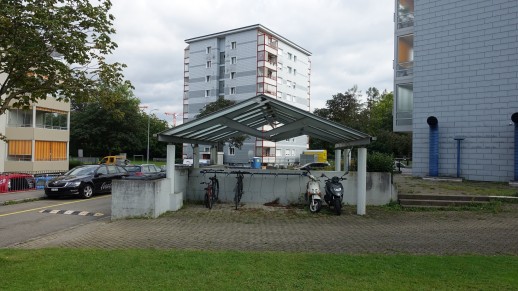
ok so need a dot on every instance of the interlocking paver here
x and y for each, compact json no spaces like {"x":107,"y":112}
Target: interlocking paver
{"x":295,"y":230}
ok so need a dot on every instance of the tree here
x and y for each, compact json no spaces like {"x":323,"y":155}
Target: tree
{"x":374,"y":119}
{"x":55,"y":48}
{"x":219,"y":104}
{"x":102,"y":130}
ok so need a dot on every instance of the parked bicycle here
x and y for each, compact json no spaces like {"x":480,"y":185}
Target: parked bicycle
{"x":238,"y":190}
{"x":212,"y":189}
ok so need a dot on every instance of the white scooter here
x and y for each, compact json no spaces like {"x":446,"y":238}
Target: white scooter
{"x":313,"y":194}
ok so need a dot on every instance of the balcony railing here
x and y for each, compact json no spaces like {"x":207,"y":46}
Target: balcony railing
{"x":405,"y":20}
{"x":405,"y":69}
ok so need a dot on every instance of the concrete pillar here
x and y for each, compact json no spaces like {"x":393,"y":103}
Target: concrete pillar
{"x":213,"y":155}
{"x":362,"y":182}
{"x":196,"y":156}
{"x":338,"y":160}
{"x":171,"y":150}
{"x":175,"y":199}
{"x":347,"y":159}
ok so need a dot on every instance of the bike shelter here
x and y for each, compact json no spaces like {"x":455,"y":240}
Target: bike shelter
{"x":285,"y":120}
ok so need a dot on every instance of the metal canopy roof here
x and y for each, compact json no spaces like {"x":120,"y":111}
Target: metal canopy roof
{"x":247,"y":117}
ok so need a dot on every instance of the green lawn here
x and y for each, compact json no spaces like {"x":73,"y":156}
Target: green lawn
{"x":69,"y":269}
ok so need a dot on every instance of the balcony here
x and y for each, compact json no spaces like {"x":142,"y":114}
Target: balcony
{"x":405,"y":69}
{"x":405,"y":13}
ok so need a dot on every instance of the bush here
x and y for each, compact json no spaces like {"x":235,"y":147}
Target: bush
{"x":74,"y":163}
{"x":378,"y":162}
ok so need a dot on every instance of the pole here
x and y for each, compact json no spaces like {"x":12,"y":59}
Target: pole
{"x":148,"y":122}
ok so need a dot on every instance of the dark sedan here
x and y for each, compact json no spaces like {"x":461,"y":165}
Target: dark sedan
{"x":85,"y":181}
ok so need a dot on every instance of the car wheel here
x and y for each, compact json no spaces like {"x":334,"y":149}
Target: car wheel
{"x":87,"y":191}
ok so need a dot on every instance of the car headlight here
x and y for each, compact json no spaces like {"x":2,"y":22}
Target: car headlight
{"x":73,"y":184}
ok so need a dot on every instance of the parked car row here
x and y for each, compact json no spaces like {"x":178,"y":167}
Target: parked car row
{"x":85,"y":181}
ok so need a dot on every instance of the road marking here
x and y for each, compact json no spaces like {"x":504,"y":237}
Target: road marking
{"x":71,"y":212}
{"x":65,"y":203}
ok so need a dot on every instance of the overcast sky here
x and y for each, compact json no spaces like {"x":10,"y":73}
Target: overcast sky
{"x":351,"y":41}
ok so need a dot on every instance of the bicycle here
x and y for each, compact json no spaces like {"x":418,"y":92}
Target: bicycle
{"x":238,"y":190}
{"x":212,"y":190}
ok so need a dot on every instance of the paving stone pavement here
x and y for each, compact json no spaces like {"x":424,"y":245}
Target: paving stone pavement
{"x":260,"y":228}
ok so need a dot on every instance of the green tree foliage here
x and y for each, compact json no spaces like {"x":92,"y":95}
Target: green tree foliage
{"x":55,"y":48}
{"x":373,"y":117}
{"x":102,"y":130}
{"x":219,"y":104}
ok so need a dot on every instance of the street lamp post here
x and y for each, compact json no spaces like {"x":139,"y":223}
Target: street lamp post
{"x":148,"y":121}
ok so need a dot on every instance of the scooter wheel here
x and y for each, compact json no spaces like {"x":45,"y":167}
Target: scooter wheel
{"x":315,"y":205}
{"x":338,"y":206}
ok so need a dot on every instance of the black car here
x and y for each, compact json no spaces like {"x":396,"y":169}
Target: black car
{"x":146,"y":171}
{"x":85,"y":181}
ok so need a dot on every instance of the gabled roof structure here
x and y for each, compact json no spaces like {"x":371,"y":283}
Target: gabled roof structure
{"x":247,"y":117}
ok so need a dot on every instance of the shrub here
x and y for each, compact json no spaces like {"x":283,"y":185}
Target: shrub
{"x":379,"y":162}
{"x":376,"y":162}
{"x":74,"y":163}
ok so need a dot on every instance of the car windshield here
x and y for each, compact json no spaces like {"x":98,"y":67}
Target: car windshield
{"x":81,"y":171}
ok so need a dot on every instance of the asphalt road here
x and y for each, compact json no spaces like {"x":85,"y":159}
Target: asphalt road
{"x":25,"y":221}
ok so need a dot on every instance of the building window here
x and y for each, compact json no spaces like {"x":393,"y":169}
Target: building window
{"x":232,"y":90}
{"x":207,"y":79}
{"x":288,"y":97}
{"x":209,"y":64}
{"x":279,"y":66}
{"x":50,"y":151}
{"x":51,"y":118}
{"x":233,"y":45}
{"x":405,"y":55}
{"x":208,"y":49}
{"x":232,"y":75}
{"x":294,"y":71}
{"x":279,"y":52}
{"x":292,"y":153}
{"x":233,"y":60}
{"x":404,"y":104}
{"x":279,"y":80}
{"x":290,"y":70}
{"x":294,"y":85}
{"x":207,"y":93}
{"x":290,"y":56}
{"x":231,"y":151}
{"x":279,"y":94}
{"x":19,"y":150}
{"x":294,"y":58}
{"x":20,"y":118}
{"x":278,"y":152}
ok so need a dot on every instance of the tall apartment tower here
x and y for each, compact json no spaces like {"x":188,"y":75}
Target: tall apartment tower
{"x":456,"y":86}
{"x":241,"y":63}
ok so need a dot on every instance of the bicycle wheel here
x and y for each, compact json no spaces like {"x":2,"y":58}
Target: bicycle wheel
{"x":215,"y":189}
{"x":206,"y":199}
{"x":236,"y":195}
{"x":210,"y":199}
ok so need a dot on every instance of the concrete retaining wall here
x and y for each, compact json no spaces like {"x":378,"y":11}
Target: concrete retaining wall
{"x":289,"y":189}
{"x":151,"y":198}
{"x":148,"y":198}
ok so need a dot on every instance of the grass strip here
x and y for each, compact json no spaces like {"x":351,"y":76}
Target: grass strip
{"x":150,"y":269}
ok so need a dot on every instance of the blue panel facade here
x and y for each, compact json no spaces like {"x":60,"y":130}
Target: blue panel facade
{"x":466,"y":74}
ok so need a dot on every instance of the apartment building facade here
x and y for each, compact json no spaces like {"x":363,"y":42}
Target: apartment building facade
{"x":456,"y":86}
{"x":37,"y":138}
{"x":241,"y":63}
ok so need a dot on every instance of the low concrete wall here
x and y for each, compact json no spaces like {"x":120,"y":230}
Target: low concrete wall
{"x":289,"y":189}
{"x":147,"y":198}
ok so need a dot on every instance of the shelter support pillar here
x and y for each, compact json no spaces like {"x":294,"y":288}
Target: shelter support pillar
{"x":175,"y":199}
{"x":338,"y":160}
{"x":196,"y":156}
{"x":347,"y":159}
{"x":362,"y":182}
{"x":214,"y":155}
